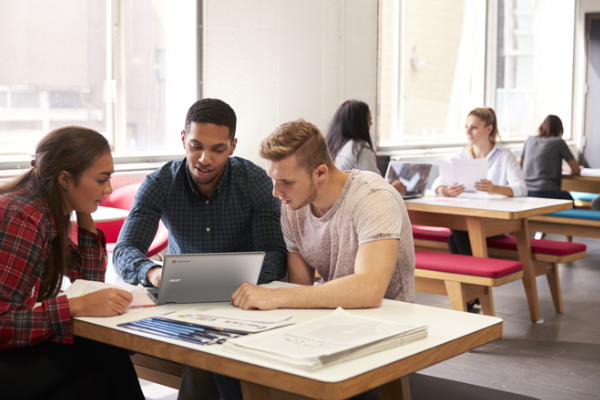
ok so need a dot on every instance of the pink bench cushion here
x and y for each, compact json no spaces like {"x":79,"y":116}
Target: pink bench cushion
{"x":465,"y":265}
{"x":431,"y":233}
{"x":541,"y":246}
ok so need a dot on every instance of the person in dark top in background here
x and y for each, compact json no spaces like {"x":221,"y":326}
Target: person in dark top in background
{"x":541,"y":160}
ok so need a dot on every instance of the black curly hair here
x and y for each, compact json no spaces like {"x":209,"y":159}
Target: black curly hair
{"x":212,"y":111}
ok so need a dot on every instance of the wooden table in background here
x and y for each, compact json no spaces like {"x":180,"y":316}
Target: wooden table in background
{"x":586,"y":184}
{"x":484,"y":216}
{"x":450,"y":333}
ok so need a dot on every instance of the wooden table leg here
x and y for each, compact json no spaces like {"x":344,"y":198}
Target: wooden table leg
{"x":396,"y":390}
{"x":529,"y":275}
{"x":477,"y":236}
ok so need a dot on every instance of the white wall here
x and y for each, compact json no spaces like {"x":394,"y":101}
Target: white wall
{"x":276,"y":60}
{"x":579,"y":66}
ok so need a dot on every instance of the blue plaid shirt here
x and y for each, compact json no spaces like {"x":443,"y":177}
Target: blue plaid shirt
{"x":240,"y":215}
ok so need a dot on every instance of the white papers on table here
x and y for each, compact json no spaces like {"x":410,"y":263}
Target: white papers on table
{"x":590,"y":171}
{"x":325,"y":341}
{"x":464,"y":171}
{"x":230,"y":319}
{"x":82,"y":287}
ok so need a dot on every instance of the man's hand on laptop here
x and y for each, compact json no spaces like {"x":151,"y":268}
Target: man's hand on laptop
{"x":252,"y":297}
{"x":153,"y":276}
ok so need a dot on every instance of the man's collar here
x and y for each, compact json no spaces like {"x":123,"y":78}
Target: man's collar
{"x":224,"y":177}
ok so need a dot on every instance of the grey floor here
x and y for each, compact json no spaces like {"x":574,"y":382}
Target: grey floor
{"x":558,"y":359}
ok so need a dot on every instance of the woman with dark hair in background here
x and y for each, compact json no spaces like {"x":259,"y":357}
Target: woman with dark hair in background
{"x":349,"y":141}
{"x":541,"y":160}
{"x":39,"y":357}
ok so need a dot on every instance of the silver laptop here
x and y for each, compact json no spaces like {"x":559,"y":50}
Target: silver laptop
{"x":201,"y":278}
{"x":413,"y":175}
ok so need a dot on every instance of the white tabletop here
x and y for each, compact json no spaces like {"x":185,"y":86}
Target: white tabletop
{"x":444,"y":326}
{"x":106,"y":214}
{"x":488,"y":202}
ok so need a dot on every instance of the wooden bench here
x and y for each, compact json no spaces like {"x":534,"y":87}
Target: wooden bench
{"x":583,"y":200}
{"x":463,"y":278}
{"x":582,"y":223}
{"x":546,"y":254}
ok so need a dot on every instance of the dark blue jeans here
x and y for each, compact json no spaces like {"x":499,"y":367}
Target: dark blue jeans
{"x":229,"y":388}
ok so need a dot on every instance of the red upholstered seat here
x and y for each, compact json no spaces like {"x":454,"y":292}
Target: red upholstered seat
{"x":541,"y":246}
{"x":465,"y":265}
{"x":435,"y":233}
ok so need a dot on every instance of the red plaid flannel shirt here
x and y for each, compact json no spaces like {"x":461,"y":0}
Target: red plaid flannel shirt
{"x":26,"y":231}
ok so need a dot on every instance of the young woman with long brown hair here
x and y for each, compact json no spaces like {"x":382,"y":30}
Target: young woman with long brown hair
{"x":39,"y":357}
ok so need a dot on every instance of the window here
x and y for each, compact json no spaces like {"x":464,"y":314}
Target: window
{"x":431,"y":70}
{"x":126,"y":68}
{"x":440,"y":59}
{"x":533,"y":65}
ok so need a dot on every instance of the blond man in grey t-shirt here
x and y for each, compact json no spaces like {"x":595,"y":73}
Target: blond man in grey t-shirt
{"x":351,"y":227}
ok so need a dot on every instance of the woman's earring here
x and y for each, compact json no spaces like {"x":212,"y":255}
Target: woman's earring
{"x":64,"y":188}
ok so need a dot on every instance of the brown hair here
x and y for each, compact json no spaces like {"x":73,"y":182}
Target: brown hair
{"x":72,"y":149}
{"x":487,"y":115}
{"x":551,"y":127}
{"x":300,"y":138}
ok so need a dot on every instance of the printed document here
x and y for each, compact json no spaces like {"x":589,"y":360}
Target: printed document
{"x":327,"y":340}
{"x":464,"y":171}
{"x":230,"y":319}
{"x":81,"y":287}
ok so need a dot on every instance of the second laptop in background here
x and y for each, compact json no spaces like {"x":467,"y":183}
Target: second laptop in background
{"x":413,"y":175}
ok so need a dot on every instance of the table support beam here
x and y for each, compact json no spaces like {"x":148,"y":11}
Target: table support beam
{"x":477,"y":236}
{"x":396,"y":390}
{"x":529,"y":275}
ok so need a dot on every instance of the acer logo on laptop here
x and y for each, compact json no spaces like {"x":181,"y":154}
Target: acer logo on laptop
{"x":174,"y":280}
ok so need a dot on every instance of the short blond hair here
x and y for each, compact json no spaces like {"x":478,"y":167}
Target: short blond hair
{"x":299,"y":138}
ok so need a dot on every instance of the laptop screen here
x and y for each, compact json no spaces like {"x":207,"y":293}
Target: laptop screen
{"x":413,"y":175}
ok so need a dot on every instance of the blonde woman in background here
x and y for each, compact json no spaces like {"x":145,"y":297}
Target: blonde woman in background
{"x":504,"y":175}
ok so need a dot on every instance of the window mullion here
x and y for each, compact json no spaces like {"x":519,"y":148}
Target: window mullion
{"x":117,"y":78}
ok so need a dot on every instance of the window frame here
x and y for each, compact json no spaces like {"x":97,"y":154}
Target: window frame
{"x":114,"y":87}
{"x":489,"y":93}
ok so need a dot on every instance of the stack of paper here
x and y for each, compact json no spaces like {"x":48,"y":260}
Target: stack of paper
{"x":337,"y":337}
{"x":590,"y":171}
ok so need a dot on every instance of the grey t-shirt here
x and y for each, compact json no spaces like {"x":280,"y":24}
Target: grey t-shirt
{"x":542,"y":162}
{"x":365,"y":160}
{"x":367,"y":209}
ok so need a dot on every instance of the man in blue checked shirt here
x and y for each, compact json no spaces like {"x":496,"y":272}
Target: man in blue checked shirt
{"x":210,"y":203}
